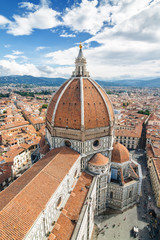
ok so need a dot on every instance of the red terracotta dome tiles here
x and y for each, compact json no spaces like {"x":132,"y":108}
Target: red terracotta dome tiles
{"x":107,"y":101}
{"x":53,"y":102}
{"x":95,"y":111}
{"x":68,"y":112}
{"x":80,"y":104}
{"x":99,"y":160}
{"x":120,"y":153}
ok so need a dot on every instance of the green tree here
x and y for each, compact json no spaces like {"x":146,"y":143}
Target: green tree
{"x":44,"y":105}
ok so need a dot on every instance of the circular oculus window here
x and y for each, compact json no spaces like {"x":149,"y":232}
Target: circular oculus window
{"x":96,"y":144}
{"x":67,"y":143}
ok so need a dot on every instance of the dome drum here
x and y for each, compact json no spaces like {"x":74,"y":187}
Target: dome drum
{"x":78,"y":134}
{"x":98,"y":164}
{"x":98,"y":170}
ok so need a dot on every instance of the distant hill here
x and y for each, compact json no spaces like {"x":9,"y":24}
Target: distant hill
{"x":42,"y":81}
{"x":153,"y":83}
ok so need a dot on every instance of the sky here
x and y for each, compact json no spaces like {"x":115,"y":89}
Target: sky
{"x":121,"y":38}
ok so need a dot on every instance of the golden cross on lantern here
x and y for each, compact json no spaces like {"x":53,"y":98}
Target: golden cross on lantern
{"x":80,"y":45}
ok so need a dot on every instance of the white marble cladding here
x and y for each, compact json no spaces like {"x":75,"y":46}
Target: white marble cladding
{"x":44,"y":223}
{"x":140,"y":176}
{"x":86,"y":147}
{"x":122,"y":197}
{"x":85,"y":224}
{"x":98,"y":169}
{"x":101,"y":193}
{"x":48,"y":136}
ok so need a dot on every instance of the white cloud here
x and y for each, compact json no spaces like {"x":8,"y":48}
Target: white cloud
{"x":125,"y":9}
{"x":138,"y":20}
{"x":45,"y":3}
{"x":40,"y":48}
{"x":88,"y":16}
{"x":43,"y":18}
{"x":10,"y":56}
{"x":36,"y":17}
{"x":65,"y":57}
{"x":16,"y":52}
{"x":28,"y":5}
{"x":49,"y":71}
{"x":66,"y":35}
{"x":3,"y":20}
{"x":11,"y":67}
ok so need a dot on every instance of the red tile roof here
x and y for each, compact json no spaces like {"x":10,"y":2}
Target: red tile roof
{"x":23,"y":201}
{"x":120,"y":154}
{"x":99,"y":160}
{"x":68,"y":112}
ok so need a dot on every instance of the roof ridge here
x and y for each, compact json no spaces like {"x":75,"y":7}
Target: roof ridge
{"x":27,"y":184}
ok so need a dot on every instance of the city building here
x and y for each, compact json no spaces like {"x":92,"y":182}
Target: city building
{"x":153,"y":154}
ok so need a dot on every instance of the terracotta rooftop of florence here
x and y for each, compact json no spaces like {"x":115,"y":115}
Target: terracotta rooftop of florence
{"x":68,"y":112}
{"x":14,"y":125}
{"x":65,"y":225}
{"x":23,"y":201}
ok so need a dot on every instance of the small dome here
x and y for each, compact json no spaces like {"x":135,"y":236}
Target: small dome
{"x":99,"y":160}
{"x":120,"y":154}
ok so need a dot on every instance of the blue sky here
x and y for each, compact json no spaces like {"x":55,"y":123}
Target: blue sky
{"x":121,"y":39}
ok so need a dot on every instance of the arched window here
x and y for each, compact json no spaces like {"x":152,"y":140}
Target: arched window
{"x":59,"y":202}
{"x":78,"y":70}
{"x":130,"y":194}
{"x":82,"y":71}
{"x":75,"y":174}
{"x":111,"y":194}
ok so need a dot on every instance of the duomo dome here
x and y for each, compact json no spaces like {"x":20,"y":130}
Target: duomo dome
{"x":81,"y":106}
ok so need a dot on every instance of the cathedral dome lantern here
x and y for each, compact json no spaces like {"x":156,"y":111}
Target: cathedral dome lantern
{"x":80,"y":65}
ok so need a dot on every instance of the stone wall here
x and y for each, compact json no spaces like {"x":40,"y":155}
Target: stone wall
{"x":87,"y":147}
{"x":122,"y":197}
